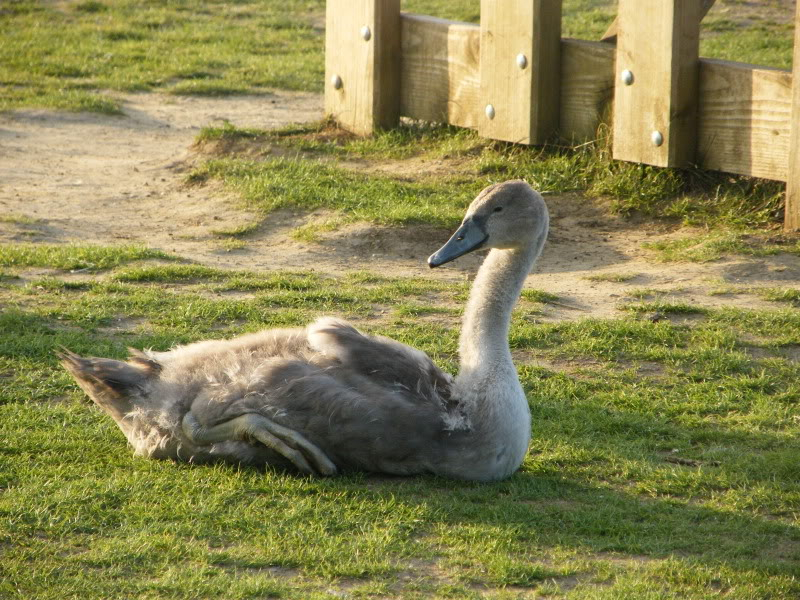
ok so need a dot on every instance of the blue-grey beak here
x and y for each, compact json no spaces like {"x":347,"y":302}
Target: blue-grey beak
{"x":470,"y":236}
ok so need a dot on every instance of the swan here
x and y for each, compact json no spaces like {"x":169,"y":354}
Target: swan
{"x":327,"y":398}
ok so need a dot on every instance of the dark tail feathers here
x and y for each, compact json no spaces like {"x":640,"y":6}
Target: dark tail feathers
{"x":111,"y":383}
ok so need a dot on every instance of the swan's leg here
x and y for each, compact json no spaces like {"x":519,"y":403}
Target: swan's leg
{"x":288,"y":443}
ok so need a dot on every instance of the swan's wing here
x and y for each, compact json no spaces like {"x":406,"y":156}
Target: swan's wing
{"x":380,"y":359}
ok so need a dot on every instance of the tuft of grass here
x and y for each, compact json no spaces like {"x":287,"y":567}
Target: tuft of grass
{"x":642,"y":293}
{"x":312,"y":232}
{"x":791,"y":295}
{"x":539,"y":296}
{"x":17,"y":219}
{"x":168,"y":273}
{"x":725,"y":290}
{"x":611,"y":277}
{"x":713,"y":246}
{"x":6,"y":276}
{"x":231,"y":244}
{"x":228,"y":131}
{"x":72,"y":257}
{"x":238,"y":231}
{"x":91,"y":6}
{"x":679,"y":308}
{"x":211,"y":88}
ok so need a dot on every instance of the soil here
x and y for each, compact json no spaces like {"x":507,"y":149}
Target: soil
{"x":109,"y":180}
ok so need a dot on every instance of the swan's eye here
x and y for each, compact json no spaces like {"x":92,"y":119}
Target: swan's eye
{"x":498,"y":209}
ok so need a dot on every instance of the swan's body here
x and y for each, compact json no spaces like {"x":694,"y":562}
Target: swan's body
{"x":327,"y":397}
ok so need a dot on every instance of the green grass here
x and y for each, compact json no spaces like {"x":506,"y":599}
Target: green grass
{"x":692,"y":197}
{"x":611,"y":277}
{"x":17,"y":219}
{"x":712,"y":246}
{"x":240,"y":231}
{"x":664,"y":461}
{"x":642,"y":293}
{"x":67,"y":55}
{"x":231,"y":244}
{"x":539,"y":296}
{"x":73,"y":257}
{"x":284,"y":183}
{"x":790,"y":295}
{"x":313,"y":232}
{"x":662,"y":306}
{"x":762,"y":41}
{"x":228,"y":131}
{"x":664,"y":465}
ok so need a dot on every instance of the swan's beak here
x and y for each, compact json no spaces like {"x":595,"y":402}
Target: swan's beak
{"x":470,"y":236}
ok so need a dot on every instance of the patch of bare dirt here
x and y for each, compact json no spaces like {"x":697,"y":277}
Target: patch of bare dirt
{"x":110,"y":180}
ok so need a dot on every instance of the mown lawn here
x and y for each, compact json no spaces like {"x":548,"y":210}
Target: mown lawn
{"x":665,"y":461}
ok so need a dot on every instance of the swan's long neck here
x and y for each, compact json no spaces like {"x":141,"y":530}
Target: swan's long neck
{"x":487,"y":382}
{"x":484,"y":335}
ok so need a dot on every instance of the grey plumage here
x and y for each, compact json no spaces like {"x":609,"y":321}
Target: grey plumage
{"x":328,"y":397}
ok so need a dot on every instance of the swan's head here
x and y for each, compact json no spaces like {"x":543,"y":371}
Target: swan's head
{"x":509,"y":215}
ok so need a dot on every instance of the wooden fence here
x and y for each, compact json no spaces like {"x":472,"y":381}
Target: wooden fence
{"x":514,"y":78}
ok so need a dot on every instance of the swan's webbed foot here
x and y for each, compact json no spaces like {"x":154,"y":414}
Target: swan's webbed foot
{"x":290,"y":444}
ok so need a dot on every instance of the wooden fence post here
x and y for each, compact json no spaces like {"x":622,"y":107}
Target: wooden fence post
{"x":791,"y":218}
{"x":362,"y":64}
{"x":655,"y":100}
{"x":520,"y":69}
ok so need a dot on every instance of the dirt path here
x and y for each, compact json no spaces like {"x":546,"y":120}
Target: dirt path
{"x":99,"y":179}
{"x":110,"y":180}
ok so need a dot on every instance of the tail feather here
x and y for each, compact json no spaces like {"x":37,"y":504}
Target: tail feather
{"x":111,"y":384}
{"x":143,"y":361}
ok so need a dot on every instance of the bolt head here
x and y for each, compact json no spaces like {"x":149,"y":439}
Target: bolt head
{"x":489,"y":112}
{"x":522,"y":60}
{"x":657,"y":138}
{"x":366,"y":34}
{"x":336,"y":82}
{"x":627,"y":77}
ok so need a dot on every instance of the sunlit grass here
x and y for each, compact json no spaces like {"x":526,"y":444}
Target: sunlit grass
{"x":74,"y":256}
{"x":663,"y":454}
{"x":611,"y":277}
{"x":707,"y":247}
{"x":66,"y":55}
{"x":17,"y":219}
{"x":694,"y":198}
{"x":778,"y":294}
{"x":664,"y":461}
{"x":273,"y":184}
